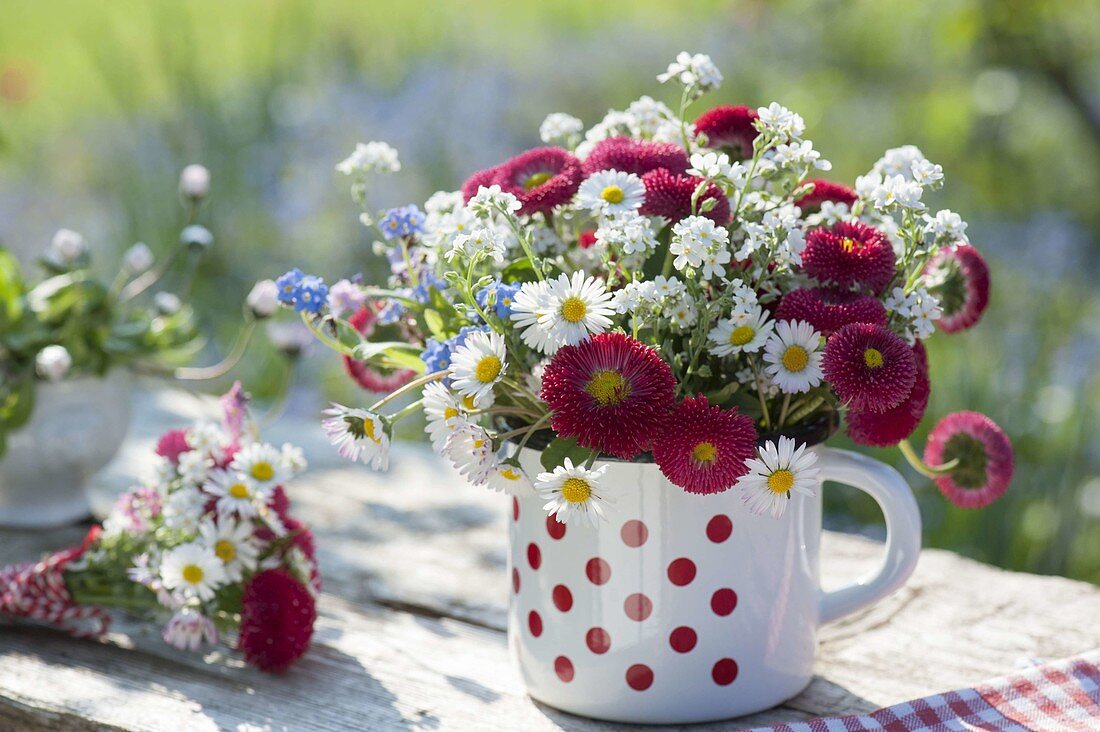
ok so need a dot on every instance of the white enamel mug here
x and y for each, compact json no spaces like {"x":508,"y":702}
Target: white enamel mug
{"x":686,"y":608}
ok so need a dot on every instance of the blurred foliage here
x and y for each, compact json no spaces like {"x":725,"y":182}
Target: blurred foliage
{"x":101,"y":105}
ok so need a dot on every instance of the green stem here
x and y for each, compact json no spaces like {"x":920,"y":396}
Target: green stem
{"x":760,"y":393}
{"x":332,"y":343}
{"x":401,"y":414}
{"x":929,"y":471}
{"x":222,"y":367}
{"x":415,"y":383}
{"x":534,"y":428}
{"x":783,"y":410}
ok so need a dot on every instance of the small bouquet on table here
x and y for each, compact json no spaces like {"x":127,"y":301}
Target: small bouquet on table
{"x":208,"y":546}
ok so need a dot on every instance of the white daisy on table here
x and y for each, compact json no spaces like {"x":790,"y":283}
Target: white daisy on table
{"x":236,"y":494}
{"x":470,"y":450}
{"x":478,"y":364}
{"x":779,"y":470}
{"x":192,"y":570}
{"x":573,"y":493}
{"x":188,"y":629}
{"x":579,"y":307}
{"x":509,"y":479}
{"x":529,"y":305}
{"x":611,"y":192}
{"x":793,"y":356}
{"x":261,"y":464}
{"x":443,"y":411}
{"x":232,"y":543}
{"x":358,"y":435}
{"x":741,"y":333}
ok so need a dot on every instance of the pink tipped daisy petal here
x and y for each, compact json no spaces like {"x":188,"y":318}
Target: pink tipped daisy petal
{"x":611,"y":393}
{"x":849,"y":253}
{"x":985,"y":458}
{"x":870,"y":368}
{"x":703,"y":448}
{"x":959,"y":278}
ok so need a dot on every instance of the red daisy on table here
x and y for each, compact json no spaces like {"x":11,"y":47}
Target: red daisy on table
{"x":869,"y":367}
{"x":541,"y":179}
{"x":828,"y":309}
{"x":729,"y":128}
{"x":883,"y":429}
{"x":277,"y":616}
{"x":984,"y":452}
{"x":367,"y":376}
{"x":825,"y":190}
{"x":703,"y":448}
{"x":669,"y":195}
{"x":849,"y":253}
{"x":611,"y":393}
{"x":959,"y":278}
{"x":628,"y":155}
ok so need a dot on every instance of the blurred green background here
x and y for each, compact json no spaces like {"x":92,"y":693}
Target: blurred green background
{"x":102,"y":104}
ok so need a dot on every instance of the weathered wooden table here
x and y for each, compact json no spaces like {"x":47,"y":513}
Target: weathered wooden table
{"x":411,"y":632}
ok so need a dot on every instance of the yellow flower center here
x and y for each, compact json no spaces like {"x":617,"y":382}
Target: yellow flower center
{"x":795,"y":358}
{"x":608,"y":387}
{"x":509,"y":474}
{"x":573,"y":309}
{"x":704,"y":453}
{"x":238,"y":490}
{"x":612,"y":194}
{"x":468,"y":403}
{"x":478,"y":443}
{"x":449,"y":413}
{"x":873,"y":358}
{"x":576,"y":490}
{"x":848,"y":245}
{"x":781,"y":481}
{"x":225,"y":550}
{"x":741,"y":335}
{"x":263,"y":471}
{"x":537,"y":180}
{"x":487,"y":369}
{"x":192,"y":574}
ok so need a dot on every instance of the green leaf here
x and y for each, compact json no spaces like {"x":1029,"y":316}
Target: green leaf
{"x":519,"y":271}
{"x":368,"y":351}
{"x":11,"y":288}
{"x":434,"y":321}
{"x":560,"y":449}
{"x":720,"y":396}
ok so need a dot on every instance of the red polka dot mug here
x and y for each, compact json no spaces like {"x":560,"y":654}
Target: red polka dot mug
{"x":686,"y":608}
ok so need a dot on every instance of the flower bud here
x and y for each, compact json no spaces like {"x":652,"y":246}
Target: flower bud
{"x":263,"y":300}
{"x":290,"y":338}
{"x":137,"y":258}
{"x":53,"y":363}
{"x":197,"y":236}
{"x":66,"y":247}
{"x":195,"y":182}
{"x":167,"y":303}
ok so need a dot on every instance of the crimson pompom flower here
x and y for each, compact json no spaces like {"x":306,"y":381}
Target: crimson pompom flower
{"x":985,"y":458}
{"x":628,"y":155}
{"x":869,"y":367}
{"x":959,"y":278}
{"x":611,"y":393}
{"x":884,"y":429}
{"x":367,"y":376}
{"x":481,"y":178}
{"x":277,"y":616}
{"x":729,"y":127}
{"x":703,"y":448}
{"x":172,"y":444}
{"x":849,"y":253}
{"x":542,"y":179}
{"x":669,"y":195}
{"x":825,"y":190}
{"x":828,"y":309}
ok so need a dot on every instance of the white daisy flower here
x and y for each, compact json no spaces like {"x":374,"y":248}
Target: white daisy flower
{"x":478,"y":364}
{"x":579,"y":307}
{"x":470,"y":450}
{"x":668,"y":287}
{"x":611,"y":192}
{"x":294,"y":458}
{"x":491,"y":198}
{"x":778,"y":471}
{"x":207,"y":438}
{"x":192,"y":570}
{"x":261,"y":464}
{"x":183,"y":508}
{"x":358,"y":435}
{"x":443,"y":412}
{"x":780,"y":123}
{"x":793,"y":357}
{"x":188,"y":629}
{"x":741,"y":333}
{"x":573,"y":493}
{"x":232,"y":543}
{"x":508,"y":479}
{"x":694,"y":238}
{"x":529,"y":305}
{"x":683,"y":312}
{"x":193,"y":467}
{"x":236,"y":494}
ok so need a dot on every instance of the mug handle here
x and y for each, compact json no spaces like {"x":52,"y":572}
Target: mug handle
{"x":903,"y":530}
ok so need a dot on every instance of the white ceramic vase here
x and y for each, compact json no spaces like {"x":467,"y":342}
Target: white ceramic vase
{"x":685,"y":608}
{"x":76,"y":428}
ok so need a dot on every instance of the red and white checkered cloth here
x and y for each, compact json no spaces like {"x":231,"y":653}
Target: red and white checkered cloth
{"x":1056,"y":697}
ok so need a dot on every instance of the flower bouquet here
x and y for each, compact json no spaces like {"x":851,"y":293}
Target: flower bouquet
{"x":654,"y":323}
{"x":208,"y":543}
